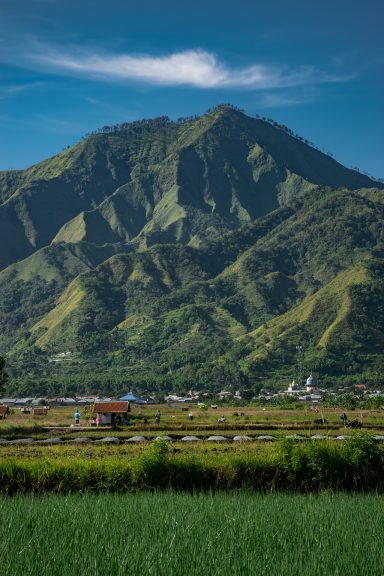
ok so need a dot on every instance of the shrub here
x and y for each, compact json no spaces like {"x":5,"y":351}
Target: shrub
{"x":151,"y":469}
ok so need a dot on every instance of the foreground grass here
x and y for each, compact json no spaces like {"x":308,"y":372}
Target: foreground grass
{"x":182,"y":534}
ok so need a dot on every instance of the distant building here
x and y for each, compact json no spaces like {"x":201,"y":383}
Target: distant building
{"x":175,"y":398}
{"x":311,"y":383}
{"x":360,"y":386}
{"x":133,"y":398}
{"x":292,"y":387}
{"x":111,"y":412}
{"x":224,"y":394}
{"x":43,"y":411}
{"x":302,"y":393}
{"x":4,"y":410}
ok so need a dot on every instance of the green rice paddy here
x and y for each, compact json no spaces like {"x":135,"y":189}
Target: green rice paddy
{"x":150,"y":533}
{"x":281,"y":508}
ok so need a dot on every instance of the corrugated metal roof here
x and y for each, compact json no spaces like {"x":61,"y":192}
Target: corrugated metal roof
{"x":131,"y":397}
{"x":110,"y":407}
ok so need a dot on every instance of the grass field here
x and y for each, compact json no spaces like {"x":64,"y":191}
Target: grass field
{"x":355,"y":464}
{"x":86,"y":509}
{"x":174,"y":418}
{"x":183,"y":534}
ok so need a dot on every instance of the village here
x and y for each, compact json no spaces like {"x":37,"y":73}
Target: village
{"x":308,"y":393}
{"x":298,"y":411}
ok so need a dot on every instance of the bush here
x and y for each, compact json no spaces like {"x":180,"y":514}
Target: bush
{"x":151,"y":469}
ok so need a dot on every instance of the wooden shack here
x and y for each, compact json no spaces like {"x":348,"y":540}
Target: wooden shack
{"x":25,"y":410}
{"x":43,"y":411}
{"x":4,"y":410}
{"x":111,"y":413}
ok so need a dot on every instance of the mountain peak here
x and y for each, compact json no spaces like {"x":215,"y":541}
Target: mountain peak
{"x":226,"y":108}
{"x":156,"y":180}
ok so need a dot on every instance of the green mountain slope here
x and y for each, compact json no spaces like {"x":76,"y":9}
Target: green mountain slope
{"x":236,"y":307}
{"x":194,"y":253}
{"x":341,"y":326}
{"x":161,"y":181}
{"x":29,"y":288}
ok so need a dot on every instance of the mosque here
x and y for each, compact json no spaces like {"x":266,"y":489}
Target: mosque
{"x":310,"y":386}
{"x":311,"y":383}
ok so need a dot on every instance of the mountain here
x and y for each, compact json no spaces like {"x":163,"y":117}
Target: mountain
{"x":159,"y":181}
{"x":197,"y":252}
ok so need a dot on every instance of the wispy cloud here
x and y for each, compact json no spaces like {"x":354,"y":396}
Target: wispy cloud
{"x":44,"y":123}
{"x":196,"y":68}
{"x":280,"y":100}
{"x":93,"y":101}
{"x":9,"y":90}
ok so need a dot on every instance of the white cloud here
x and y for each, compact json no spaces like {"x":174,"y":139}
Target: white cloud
{"x":196,"y":68}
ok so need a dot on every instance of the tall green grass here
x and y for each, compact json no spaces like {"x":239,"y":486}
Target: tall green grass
{"x":168,"y":534}
{"x":355,"y":465}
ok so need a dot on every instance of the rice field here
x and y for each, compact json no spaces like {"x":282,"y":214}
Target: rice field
{"x":175,"y":418}
{"x":66,"y":459}
{"x":93,"y":508}
{"x":356,"y":464}
{"x":171,"y":534}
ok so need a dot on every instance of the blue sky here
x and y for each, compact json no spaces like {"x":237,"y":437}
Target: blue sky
{"x":68,"y":67}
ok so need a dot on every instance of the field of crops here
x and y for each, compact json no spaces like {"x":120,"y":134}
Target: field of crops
{"x":47,"y":454}
{"x":356,"y":464}
{"x":176,"y":418}
{"x":183,"y":534}
{"x":200,"y":508}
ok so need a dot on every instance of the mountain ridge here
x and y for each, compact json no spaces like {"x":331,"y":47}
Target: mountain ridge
{"x":164,"y":250}
{"x":106,"y":169}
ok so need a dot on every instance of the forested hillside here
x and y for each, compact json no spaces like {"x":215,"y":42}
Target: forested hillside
{"x":199,"y":253}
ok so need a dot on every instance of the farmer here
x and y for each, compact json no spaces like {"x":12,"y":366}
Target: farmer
{"x":157,"y":417}
{"x":76,"y":417}
{"x":344,"y":418}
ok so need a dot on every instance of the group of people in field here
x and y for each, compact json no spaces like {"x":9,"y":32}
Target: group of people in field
{"x":98,"y":420}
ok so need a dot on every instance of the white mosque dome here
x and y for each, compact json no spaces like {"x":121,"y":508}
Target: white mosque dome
{"x":311,"y":380}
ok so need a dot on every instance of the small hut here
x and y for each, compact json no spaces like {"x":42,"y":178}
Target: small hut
{"x":111,"y":413}
{"x":41,"y":411}
{"x":4,"y":410}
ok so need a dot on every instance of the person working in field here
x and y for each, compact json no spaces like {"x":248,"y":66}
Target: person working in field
{"x":76,"y":418}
